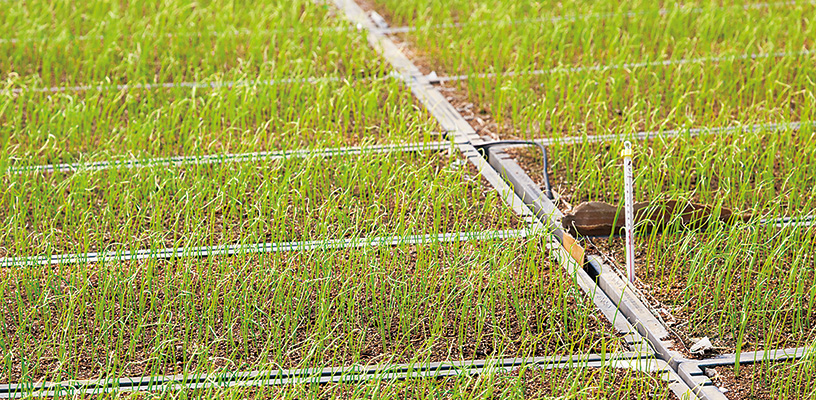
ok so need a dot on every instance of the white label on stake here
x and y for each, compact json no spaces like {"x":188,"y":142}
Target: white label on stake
{"x":629,"y":209}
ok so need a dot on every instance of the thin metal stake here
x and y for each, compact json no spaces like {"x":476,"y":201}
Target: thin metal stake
{"x":626,"y":153}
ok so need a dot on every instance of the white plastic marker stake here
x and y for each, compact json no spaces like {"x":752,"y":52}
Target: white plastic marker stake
{"x":628,"y":205}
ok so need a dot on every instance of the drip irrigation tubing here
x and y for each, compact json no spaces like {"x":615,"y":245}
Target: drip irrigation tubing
{"x":432,"y":78}
{"x":188,"y":85}
{"x":410,"y":147}
{"x":693,"y":371}
{"x":236,"y":157}
{"x":212,"y":34}
{"x":272,"y":247}
{"x":777,"y":223}
{"x":649,"y":64}
{"x":790,"y":222}
{"x":354,"y":373}
{"x":690,"y":132}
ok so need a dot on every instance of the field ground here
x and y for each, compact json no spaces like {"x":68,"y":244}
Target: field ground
{"x":584,"y":383}
{"x":768,"y":380}
{"x":296,"y":310}
{"x":131,"y":82}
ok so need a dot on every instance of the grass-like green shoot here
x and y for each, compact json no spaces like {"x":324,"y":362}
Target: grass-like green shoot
{"x":316,"y":308}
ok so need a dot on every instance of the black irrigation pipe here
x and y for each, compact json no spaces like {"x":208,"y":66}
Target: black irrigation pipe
{"x":237,"y":157}
{"x":547,"y":186}
{"x":349,"y":374}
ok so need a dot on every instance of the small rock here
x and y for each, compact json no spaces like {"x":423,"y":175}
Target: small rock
{"x":701,"y":346}
{"x":711,"y":373}
{"x":723,"y":389}
{"x":457,"y":163}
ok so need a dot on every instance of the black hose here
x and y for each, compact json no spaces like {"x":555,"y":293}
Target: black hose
{"x":547,"y":187}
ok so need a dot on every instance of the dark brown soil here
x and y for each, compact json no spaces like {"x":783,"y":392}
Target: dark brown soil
{"x":767,"y":381}
{"x":748,"y":385}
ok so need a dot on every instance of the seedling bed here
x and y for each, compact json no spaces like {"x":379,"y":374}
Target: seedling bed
{"x":221,"y":204}
{"x":767,"y":380}
{"x":163,"y":44}
{"x":602,"y":100}
{"x":415,"y":16}
{"x":764,"y":173}
{"x":315,"y":308}
{"x":97,"y":126}
{"x":641,"y":35}
{"x":504,"y":377}
{"x":745,"y":287}
{"x":444,"y":294}
{"x":575,"y":101}
{"x":624,"y":66}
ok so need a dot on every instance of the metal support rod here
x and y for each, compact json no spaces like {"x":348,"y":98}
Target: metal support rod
{"x":547,"y":186}
{"x":354,"y":373}
{"x":234,"y":157}
{"x":272,"y":247}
